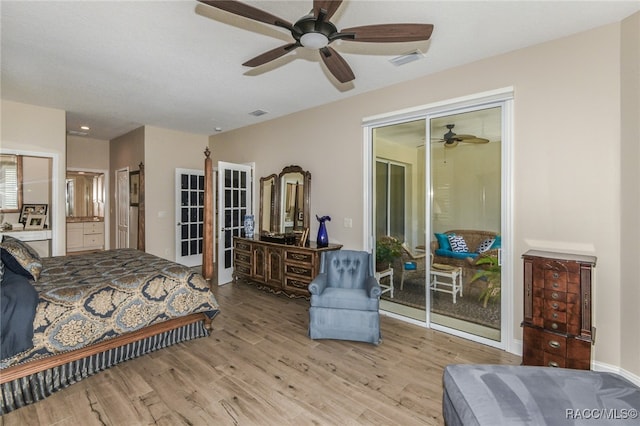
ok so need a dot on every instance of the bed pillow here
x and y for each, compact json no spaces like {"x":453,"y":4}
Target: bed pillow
{"x":485,"y":245}
{"x":443,"y":241}
{"x":458,"y":244}
{"x":21,"y":258}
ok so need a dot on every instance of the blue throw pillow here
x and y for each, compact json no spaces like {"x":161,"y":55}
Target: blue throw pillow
{"x":497,"y":243}
{"x":443,"y":241}
{"x":410,"y":266}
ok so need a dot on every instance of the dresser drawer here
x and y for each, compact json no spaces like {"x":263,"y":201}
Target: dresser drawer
{"x":242,"y":245}
{"x":304,"y":271}
{"x":555,"y":280}
{"x":554,"y":344}
{"x":557,"y":296}
{"x":93,"y":227}
{"x":241,"y":256}
{"x":242,"y":269}
{"x":298,"y":256}
{"x":557,"y":326}
{"x":93,"y":240}
{"x":551,"y":360}
{"x":296,"y":285}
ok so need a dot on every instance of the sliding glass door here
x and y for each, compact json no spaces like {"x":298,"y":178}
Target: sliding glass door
{"x":437,"y":192}
{"x":398,"y":208}
{"x":465,"y":215}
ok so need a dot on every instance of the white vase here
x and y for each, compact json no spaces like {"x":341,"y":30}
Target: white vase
{"x":248,"y":226}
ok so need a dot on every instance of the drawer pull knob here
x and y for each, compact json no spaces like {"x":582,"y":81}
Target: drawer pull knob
{"x":555,"y":275}
{"x":555,"y":315}
{"x":554,"y":295}
{"x":554,"y":325}
{"x":555,"y":305}
{"x":555,"y":285}
{"x":553,"y":364}
{"x":554,"y":344}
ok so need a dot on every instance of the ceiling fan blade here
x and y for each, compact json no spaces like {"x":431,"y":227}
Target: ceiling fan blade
{"x":389,"y":33}
{"x":451,"y":144}
{"x":337,"y":65}
{"x":271,"y":55}
{"x":329,"y":5}
{"x":243,"y":9}
{"x":476,"y":140}
{"x":463,"y":137}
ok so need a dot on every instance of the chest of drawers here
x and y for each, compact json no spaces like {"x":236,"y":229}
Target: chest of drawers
{"x":557,"y":329}
{"x":277,"y":267}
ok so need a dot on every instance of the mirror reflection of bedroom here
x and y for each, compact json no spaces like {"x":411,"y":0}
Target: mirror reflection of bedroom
{"x":457,"y":261}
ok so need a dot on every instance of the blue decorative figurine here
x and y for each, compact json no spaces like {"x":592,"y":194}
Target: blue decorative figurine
{"x":323,"y":237}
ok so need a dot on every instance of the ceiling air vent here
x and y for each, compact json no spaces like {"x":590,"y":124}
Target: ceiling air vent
{"x":258,"y":113}
{"x":77,"y":133}
{"x":405,"y":59}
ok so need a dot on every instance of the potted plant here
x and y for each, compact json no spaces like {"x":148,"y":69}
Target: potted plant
{"x":491,"y":275}
{"x":387,"y":250}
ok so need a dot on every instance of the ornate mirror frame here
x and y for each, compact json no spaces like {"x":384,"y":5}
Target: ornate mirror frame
{"x":274,"y":202}
{"x":269,"y":196}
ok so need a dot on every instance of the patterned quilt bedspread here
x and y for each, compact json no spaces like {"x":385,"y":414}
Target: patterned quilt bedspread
{"x":85,"y":299}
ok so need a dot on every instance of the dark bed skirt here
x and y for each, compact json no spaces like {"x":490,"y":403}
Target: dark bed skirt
{"x":38,"y":386}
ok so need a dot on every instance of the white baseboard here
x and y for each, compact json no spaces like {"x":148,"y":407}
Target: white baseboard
{"x":601,"y":366}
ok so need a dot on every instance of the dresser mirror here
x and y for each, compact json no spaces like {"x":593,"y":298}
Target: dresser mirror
{"x":284,"y":201}
{"x":268,"y":204}
{"x":84,"y":194}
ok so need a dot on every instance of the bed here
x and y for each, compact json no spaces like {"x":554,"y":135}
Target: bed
{"x":526,"y":395}
{"x":90,"y":312}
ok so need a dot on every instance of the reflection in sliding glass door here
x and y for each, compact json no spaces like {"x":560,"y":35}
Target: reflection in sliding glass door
{"x":398,"y":207}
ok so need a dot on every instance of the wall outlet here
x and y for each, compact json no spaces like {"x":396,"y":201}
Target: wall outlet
{"x":348,"y":222}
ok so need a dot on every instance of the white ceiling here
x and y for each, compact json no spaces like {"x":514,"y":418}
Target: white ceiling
{"x":117,"y":65}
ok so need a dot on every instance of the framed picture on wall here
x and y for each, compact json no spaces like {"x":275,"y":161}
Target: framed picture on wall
{"x":35,"y":221}
{"x":134,"y":188}
{"x":27,"y":209}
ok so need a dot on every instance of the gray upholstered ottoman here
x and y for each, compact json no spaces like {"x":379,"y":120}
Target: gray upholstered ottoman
{"x":522,"y":395}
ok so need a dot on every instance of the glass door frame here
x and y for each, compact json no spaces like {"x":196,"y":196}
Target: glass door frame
{"x":504,"y":99}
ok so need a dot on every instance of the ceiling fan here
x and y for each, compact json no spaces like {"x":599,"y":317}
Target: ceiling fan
{"x":315,"y":31}
{"x":451,"y":139}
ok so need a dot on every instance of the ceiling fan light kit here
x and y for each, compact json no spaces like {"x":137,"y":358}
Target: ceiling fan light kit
{"x":315,"y":31}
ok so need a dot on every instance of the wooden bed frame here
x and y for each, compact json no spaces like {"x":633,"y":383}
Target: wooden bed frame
{"x":32,"y":381}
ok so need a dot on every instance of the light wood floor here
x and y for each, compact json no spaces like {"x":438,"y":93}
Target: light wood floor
{"x":259,"y":368}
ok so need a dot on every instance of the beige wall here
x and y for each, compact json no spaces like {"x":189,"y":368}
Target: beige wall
{"x":630,"y":190}
{"x":165,"y":150}
{"x":566,"y":158}
{"x":40,"y":131}
{"x":87,"y":153}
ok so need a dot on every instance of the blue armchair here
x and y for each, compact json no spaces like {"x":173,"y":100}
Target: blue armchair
{"x":345,"y":298}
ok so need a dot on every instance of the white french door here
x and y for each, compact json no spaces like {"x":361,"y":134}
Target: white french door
{"x":189,"y":216}
{"x":235,"y":200}
{"x":122,"y":208}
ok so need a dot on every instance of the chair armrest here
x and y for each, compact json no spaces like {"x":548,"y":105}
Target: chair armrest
{"x":318,"y":284}
{"x":372,"y":286}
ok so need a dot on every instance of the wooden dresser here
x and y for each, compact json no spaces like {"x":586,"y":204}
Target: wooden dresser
{"x":557,"y":329}
{"x":277,"y":267}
